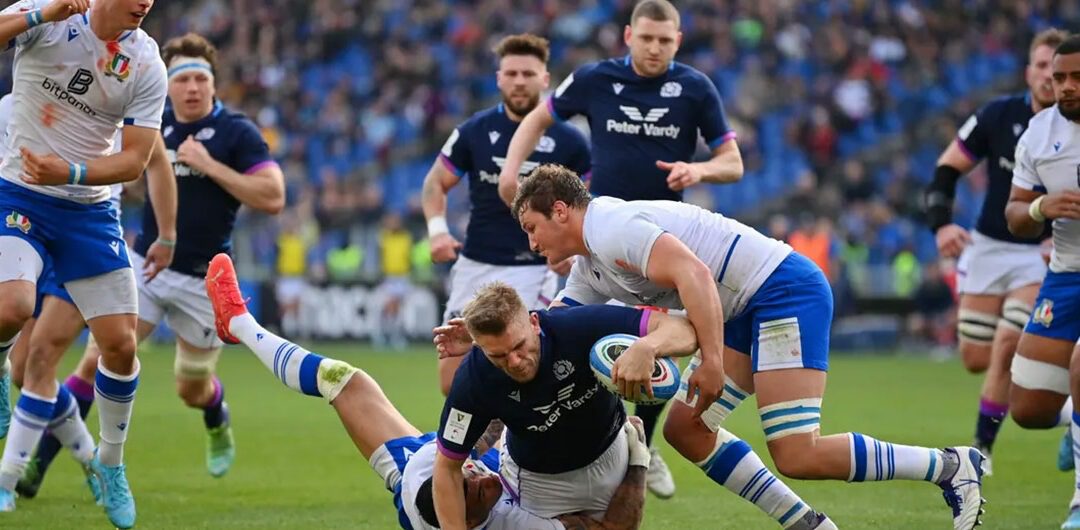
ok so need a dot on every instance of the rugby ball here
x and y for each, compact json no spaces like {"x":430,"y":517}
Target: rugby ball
{"x":665,"y":376}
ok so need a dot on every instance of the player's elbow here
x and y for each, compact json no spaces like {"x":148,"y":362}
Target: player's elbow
{"x":273,"y":205}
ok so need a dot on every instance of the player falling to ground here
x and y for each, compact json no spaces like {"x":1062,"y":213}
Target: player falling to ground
{"x":402,"y":456}
{"x":999,"y":272}
{"x":1046,"y":185}
{"x":532,"y":372}
{"x":762,"y":314}
{"x":645,"y":112}
{"x":80,"y":75}
{"x":221,"y":161}
{"x":495,"y":248}
{"x":58,"y":331}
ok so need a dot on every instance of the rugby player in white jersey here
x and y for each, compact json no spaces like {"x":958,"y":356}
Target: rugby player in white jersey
{"x":56,"y":333}
{"x":762,"y":314}
{"x":80,"y":75}
{"x":998,"y":273}
{"x":401,"y":455}
{"x":1046,"y":185}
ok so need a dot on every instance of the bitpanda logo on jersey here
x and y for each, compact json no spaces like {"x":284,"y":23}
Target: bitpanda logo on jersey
{"x":643,"y":123}
{"x":77,"y":86}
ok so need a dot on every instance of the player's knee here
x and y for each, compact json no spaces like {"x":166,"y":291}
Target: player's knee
{"x":118,"y":354}
{"x":14,"y":312}
{"x":687,"y":435}
{"x":793,"y":456}
{"x":791,"y":430}
{"x":1033,"y":401}
{"x":1033,"y":414}
{"x":975,"y":356}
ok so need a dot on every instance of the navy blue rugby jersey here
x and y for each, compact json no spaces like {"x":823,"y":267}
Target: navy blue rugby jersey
{"x":562,"y":419}
{"x":991,"y":133}
{"x":476,"y":150}
{"x":205,"y":212}
{"x":636,"y":121}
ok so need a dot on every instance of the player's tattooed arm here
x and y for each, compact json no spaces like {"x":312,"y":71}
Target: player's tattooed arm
{"x":490,"y":437}
{"x":625,"y":510}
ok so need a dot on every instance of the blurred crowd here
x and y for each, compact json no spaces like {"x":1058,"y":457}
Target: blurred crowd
{"x":841,"y":108}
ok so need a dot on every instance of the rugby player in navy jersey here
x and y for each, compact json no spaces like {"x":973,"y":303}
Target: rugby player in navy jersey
{"x":398,"y":452}
{"x":221,"y":162}
{"x":564,"y":452}
{"x":645,"y":112}
{"x":495,"y":247}
{"x":998,"y":273}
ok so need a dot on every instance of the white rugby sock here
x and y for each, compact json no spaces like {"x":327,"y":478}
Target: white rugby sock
{"x":873,"y":460}
{"x":115,"y":398}
{"x":294,"y":366}
{"x":31,"y":416}
{"x":68,"y":427}
{"x":734,"y":465}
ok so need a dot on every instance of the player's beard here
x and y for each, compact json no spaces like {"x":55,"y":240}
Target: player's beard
{"x":524,"y":108}
{"x":1070,"y":110}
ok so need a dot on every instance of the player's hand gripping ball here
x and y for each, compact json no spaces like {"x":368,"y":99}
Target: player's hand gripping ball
{"x":665,"y":377}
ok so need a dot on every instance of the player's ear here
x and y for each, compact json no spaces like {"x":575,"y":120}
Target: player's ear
{"x":558,"y":211}
{"x":678,"y":40}
{"x":627,"y":34}
{"x":534,"y":320}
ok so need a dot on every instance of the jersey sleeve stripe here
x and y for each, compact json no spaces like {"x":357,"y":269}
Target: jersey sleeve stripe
{"x":967,"y":152}
{"x":260,"y":166}
{"x":551,"y":109}
{"x":450,"y":166}
{"x":730,"y":135}
{"x":570,"y":301}
{"x":450,"y":453}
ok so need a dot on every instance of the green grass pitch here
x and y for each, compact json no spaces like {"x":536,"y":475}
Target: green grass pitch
{"x":297,"y":469}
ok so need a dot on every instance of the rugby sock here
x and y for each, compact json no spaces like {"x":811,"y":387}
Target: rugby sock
{"x":1074,"y":428}
{"x":115,"y":397}
{"x":735,"y":466}
{"x":83,"y":392}
{"x":991,"y":416}
{"x":1065,"y":416}
{"x":216,"y":412}
{"x":32,"y":413}
{"x":873,"y":460}
{"x":294,"y":366}
{"x":67,"y":429}
{"x":650,"y":416}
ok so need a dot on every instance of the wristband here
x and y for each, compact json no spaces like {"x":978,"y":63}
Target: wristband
{"x":1034,"y":210}
{"x":437,"y":225}
{"x":34,"y":18}
{"x":166,"y":242}
{"x":76,"y":173}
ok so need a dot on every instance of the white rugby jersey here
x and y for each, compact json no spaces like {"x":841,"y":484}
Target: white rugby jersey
{"x":115,"y":190}
{"x":506,"y":515}
{"x":72,"y":92}
{"x":1048,"y":159}
{"x":620,"y":235}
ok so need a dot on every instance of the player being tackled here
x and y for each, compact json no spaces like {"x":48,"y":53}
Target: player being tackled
{"x":386,"y":439}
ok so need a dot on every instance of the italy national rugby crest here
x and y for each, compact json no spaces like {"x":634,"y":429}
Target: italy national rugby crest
{"x":119,"y":67}
{"x":1044,"y":314}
